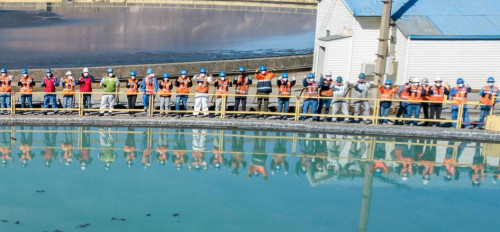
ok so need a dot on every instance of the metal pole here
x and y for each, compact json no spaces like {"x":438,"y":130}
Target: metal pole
{"x":383,"y":43}
{"x":366,"y":200}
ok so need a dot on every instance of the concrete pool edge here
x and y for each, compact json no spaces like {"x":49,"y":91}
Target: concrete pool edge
{"x":253,"y":124}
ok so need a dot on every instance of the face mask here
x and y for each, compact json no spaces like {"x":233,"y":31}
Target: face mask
{"x":490,"y":84}
{"x":387,"y":86}
{"x":3,"y":74}
{"x":110,"y":74}
{"x":222,"y":78}
{"x":183,"y":76}
{"x":85,"y":74}
{"x":165,"y":79}
{"x":132,"y":77}
{"x":416,"y":84}
{"x":25,"y":75}
{"x":285,"y":79}
{"x":460,"y":85}
{"x":203,"y":75}
{"x":329,"y":78}
{"x":309,"y":80}
{"x":263,"y":72}
{"x":48,"y":74}
{"x":438,"y":84}
{"x":152,"y":75}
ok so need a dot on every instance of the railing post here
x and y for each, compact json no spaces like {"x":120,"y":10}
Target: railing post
{"x":151,"y":104}
{"x":80,"y":103}
{"x":297,"y":108}
{"x":223,"y":107}
{"x":376,"y":111}
{"x":460,"y":115}
{"x":12,"y":103}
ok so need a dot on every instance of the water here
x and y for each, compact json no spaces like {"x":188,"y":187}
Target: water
{"x":230,"y":181}
{"x":74,"y":36}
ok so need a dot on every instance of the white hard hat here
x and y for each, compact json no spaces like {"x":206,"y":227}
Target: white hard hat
{"x":68,"y":73}
{"x":85,"y":70}
{"x":438,"y":78}
{"x":328,"y":73}
{"x":415,"y":79}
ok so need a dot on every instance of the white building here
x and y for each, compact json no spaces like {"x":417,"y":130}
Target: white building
{"x":429,"y":38}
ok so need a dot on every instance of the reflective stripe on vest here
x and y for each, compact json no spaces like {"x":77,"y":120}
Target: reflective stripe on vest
{"x":202,"y":85}
{"x":285,"y":89}
{"x":150,"y":84}
{"x":68,"y":88}
{"x":437,"y":93}
{"x":415,"y":95}
{"x":132,"y":87}
{"x":386,"y":93}
{"x":26,"y":84}
{"x":222,"y":87}
{"x":5,"y":84}
{"x":166,"y":89}
{"x":488,"y":95}
{"x":183,"y":85}
{"x":242,"y":85}
{"x":460,"y":95}
{"x":312,"y":89}
{"x":326,"y":92}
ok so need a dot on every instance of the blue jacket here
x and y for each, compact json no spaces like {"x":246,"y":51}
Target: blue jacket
{"x":497,"y":94}
{"x":143,"y":84}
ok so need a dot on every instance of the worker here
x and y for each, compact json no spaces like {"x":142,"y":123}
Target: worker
{"x":49,"y":83}
{"x":129,"y":151}
{"x":264,"y":88}
{"x":311,"y":100}
{"x":107,"y":154}
{"x":340,"y":89}
{"x":83,"y":156}
{"x":325,"y":86}
{"x":490,"y":95}
{"x":67,"y":147}
{"x":26,"y":147}
{"x":436,"y":94}
{"x":458,"y":95}
{"x":198,"y":162}
{"x":68,"y":85}
{"x":86,"y":81}
{"x":5,"y":89}
{"x":284,"y":93}
{"x":26,"y":83}
{"x":425,"y":105}
{"x":202,"y":80}
{"x":416,"y":94}
{"x":149,"y":88}
{"x":162,"y":149}
{"x":110,"y":84}
{"x":386,"y":94}
{"x":403,"y":95}
{"x":165,"y":94}
{"x":132,"y":88}
{"x":182,"y":84}
{"x":361,"y":89}
{"x":242,"y":84}
{"x":221,"y":89}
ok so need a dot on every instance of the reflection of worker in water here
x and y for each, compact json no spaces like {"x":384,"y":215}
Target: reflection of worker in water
{"x":107,"y":154}
{"x":5,"y":146}
{"x":198,"y":162}
{"x":147,"y":151}
{"x":217,"y":160}
{"x":83,"y":155}
{"x":179,"y":158}
{"x":405,"y":157}
{"x":379,"y":157}
{"x":130,"y":152}
{"x":237,"y":157}
{"x":259,"y":157}
{"x":67,"y":146}
{"x":427,"y":161}
{"x":450,"y":164}
{"x":162,"y":148}
{"x":26,"y":154}
{"x":477,"y":169}
{"x":306,"y":153}
{"x":48,"y":153}
{"x":279,"y":162}
{"x":319,"y":161}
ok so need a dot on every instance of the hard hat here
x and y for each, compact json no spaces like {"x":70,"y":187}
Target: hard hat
{"x":166,"y":75}
{"x":491,"y":79}
{"x":183,"y":72}
{"x":425,"y":182}
{"x":83,"y":167}
{"x":362,"y":76}
{"x":425,"y":81}
{"x":203,"y":70}
{"x":339,"y":79}
{"x":404,"y":178}
{"x":4,"y":70}
{"x":416,"y":80}
{"x":388,"y":82}
{"x":48,"y":70}
{"x":24,"y":71}
{"x":150,"y":71}
{"x":133,"y":73}
{"x":328,"y":73}
{"x":438,"y":78}
{"x":460,"y":81}
{"x":311,"y":75}
{"x":262,"y":68}
{"x":85,"y":70}
{"x":241,"y":69}
{"x":69,"y":73}
{"x":110,"y":70}
{"x":284,"y":75}
{"x":222,"y":74}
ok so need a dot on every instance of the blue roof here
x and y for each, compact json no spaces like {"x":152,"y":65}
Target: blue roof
{"x":478,"y":19}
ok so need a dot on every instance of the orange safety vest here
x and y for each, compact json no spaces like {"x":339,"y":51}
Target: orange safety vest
{"x":460,"y":96}
{"x":68,"y":87}
{"x":5,"y":84}
{"x":150,"y":87}
{"x":404,"y":94}
{"x":242,"y":85}
{"x":222,"y":88}
{"x":328,"y":92}
{"x":26,"y":84}
{"x":285,"y":89}
{"x":415,"y":95}
{"x":386,"y":93}
{"x":165,"y":88}
{"x":133,"y":86}
{"x":183,"y":85}
{"x":437,"y":94}
{"x":488,"y":95}
{"x":312,"y":89}
{"x":202,"y":85}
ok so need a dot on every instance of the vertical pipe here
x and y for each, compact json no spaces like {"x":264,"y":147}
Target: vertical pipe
{"x":366,"y":200}
{"x":382,"y":44}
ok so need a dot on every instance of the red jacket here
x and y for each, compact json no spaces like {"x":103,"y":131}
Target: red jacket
{"x":86,"y":83}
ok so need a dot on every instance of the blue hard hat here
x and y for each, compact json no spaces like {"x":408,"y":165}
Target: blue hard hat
{"x":362,"y":76}
{"x":241,"y":69}
{"x":150,"y":71}
{"x":166,"y":75}
{"x":262,"y":68}
{"x":110,"y":70}
{"x":491,"y":79}
{"x":284,"y":75}
{"x":388,"y":82}
{"x":222,"y":74}
{"x":460,"y":81}
{"x":48,"y":70}
{"x":203,"y":70}
{"x":4,"y":70}
{"x":311,"y":75}
{"x":24,"y":71}
{"x":339,"y":79}
{"x":133,"y":73}
{"x":183,"y":72}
